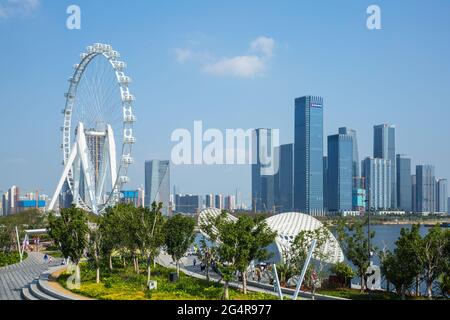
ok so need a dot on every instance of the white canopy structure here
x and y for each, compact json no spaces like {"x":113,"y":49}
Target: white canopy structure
{"x":287,"y":226}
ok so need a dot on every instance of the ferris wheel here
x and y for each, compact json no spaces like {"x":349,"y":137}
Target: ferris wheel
{"x":97,"y":131}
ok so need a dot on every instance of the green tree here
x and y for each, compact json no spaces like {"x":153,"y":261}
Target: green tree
{"x":179,"y":235}
{"x":355,"y":244}
{"x":433,"y":256}
{"x":70,"y":230}
{"x":238,"y":243}
{"x":207,"y":255}
{"x":95,"y":249}
{"x":150,"y":233}
{"x":344,"y":273}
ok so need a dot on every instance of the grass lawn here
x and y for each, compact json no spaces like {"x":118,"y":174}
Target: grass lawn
{"x":10,"y":258}
{"x":125,"y":284}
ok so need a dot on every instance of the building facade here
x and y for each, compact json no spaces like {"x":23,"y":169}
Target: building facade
{"x":209,"y":201}
{"x":404,"y":183}
{"x":340,"y":173}
{"x":384,"y":148}
{"x":425,"y":189}
{"x":308,"y":155}
{"x":188,"y":203}
{"x":263,"y":175}
{"x":219,"y":202}
{"x":377,"y":176}
{"x":442,"y":195}
{"x":157,"y":184}
{"x":284,"y":180}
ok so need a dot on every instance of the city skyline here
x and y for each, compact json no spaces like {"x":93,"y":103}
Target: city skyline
{"x":358,"y":106}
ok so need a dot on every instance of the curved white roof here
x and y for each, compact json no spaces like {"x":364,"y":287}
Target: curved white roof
{"x":288,"y":226}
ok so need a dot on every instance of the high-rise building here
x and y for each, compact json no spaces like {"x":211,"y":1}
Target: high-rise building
{"x":13,"y":200}
{"x":188,"y":203}
{"x":157,"y":184}
{"x":218,"y":202}
{"x":414,"y":192}
{"x":404,"y":195}
{"x":263,"y":173}
{"x":284,"y":179}
{"x":377,"y":175}
{"x":448,"y":205}
{"x":308,"y":155}
{"x":5,"y":204}
{"x":355,"y":154}
{"x":209,"y":201}
{"x":441,"y":195}
{"x":325,"y":183}
{"x":384,"y":148}
{"x":425,"y":189}
{"x":340,"y":173}
{"x":230,"y":203}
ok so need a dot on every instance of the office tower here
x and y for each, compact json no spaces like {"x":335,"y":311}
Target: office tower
{"x":284,"y":179}
{"x":384,"y":148}
{"x":263,"y":171}
{"x":5,"y":204}
{"x":377,"y":175}
{"x":218,"y":202}
{"x":13,"y":199}
{"x":209,"y":201}
{"x":308,"y":155}
{"x":355,"y":154}
{"x":448,"y":205}
{"x":340,"y":172}
{"x":441,"y":195}
{"x":157,"y":184}
{"x":230,"y":203}
{"x":414,"y":193}
{"x":188,"y":203}
{"x":426,"y":189}
{"x":404,"y":195}
{"x":325,"y":183}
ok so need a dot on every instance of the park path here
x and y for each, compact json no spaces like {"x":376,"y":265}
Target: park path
{"x":14,"y":277}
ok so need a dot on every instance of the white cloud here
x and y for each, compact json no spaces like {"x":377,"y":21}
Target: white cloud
{"x":182,"y":55}
{"x":245,"y":66}
{"x":263,"y":45}
{"x":12,"y":8}
{"x":241,"y":66}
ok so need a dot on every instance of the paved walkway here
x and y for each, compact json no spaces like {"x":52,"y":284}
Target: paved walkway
{"x":14,"y":277}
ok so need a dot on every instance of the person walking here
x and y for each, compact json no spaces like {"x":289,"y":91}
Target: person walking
{"x":195,"y":262}
{"x":46,"y":258}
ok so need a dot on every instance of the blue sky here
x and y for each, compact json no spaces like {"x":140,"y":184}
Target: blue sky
{"x":398,"y":75}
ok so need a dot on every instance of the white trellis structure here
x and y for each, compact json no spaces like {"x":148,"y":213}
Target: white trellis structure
{"x":97,"y":131}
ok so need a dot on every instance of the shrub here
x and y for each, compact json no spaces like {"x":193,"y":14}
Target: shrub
{"x":343,"y":272}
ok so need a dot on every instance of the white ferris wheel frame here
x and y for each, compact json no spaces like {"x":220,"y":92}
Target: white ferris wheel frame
{"x":75,"y":155}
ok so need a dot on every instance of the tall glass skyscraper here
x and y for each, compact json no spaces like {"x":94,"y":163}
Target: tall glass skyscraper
{"x":425,"y":189}
{"x":384,"y":148}
{"x":441,"y":195}
{"x":263,"y":178}
{"x":308,"y":155}
{"x":284,"y":179}
{"x":157,"y":184}
{"x":404,"y":195}
{"x":340,"y":172}
{"x":377,"y":175}
{"x":355,"y":154}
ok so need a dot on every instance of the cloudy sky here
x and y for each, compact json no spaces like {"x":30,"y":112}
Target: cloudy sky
{"x":231,"y":65}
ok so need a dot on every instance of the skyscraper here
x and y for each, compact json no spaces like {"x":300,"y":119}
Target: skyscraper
{"x":157,"y":184}
{"x":384,"y":148}
{"x":414,"y":192}
{"x":355,"y":154}
{"x":425,"y":189}
{"x":218,"y":202}
{"x":441,"y":195}
{"x":284,"y":180}
{"x":263,"y":177}
{"x":308,"y":155}
{"x":340,"y":172}
{"x":404,"y":195}
{"x":377,"y":175}
{"x":209,"y":201}
{"x":325,"y":183}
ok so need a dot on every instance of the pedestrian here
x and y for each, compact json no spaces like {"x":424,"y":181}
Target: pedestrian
{"x":195,"y":262}
{"x":45,"y":258}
